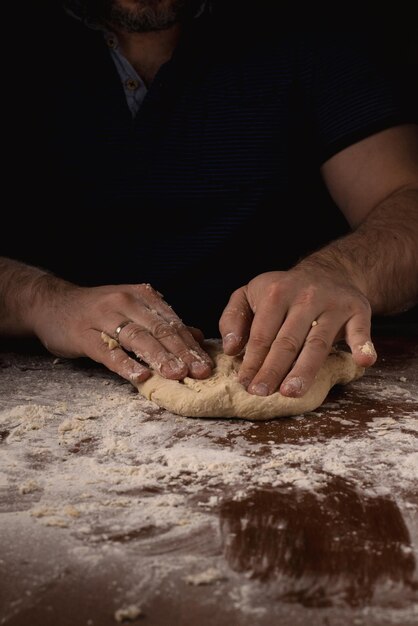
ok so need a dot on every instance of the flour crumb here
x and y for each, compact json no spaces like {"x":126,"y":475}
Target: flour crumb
{"x":403,"y":379}
{"x":212,"y":502}
{"x":128,"y":613}
{"x":209,"y":576}
{"x":410,"y":506}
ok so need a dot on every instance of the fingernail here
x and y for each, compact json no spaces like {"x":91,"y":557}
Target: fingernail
{"x":292,"y":386}
{"x":197,"y":368}
{"x":260,"y":389}
{"x":231,"y":340}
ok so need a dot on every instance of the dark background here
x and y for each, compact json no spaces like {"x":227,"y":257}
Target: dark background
{"x":393,"y":28}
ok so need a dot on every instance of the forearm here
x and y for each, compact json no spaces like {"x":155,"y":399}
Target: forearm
{"x":380,"y":257}
{"x":21,"y":288}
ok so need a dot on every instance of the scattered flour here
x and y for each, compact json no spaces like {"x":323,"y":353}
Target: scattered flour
{"x":129,"y":613}
{"x":208,"y":577}
{"x":106,"y":471}
{"x":29,"y":487}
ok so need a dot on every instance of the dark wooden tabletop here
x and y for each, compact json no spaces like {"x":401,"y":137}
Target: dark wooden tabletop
{"x":114,"y":511}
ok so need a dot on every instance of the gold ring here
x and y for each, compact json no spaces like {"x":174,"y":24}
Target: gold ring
{"x":119,"y":328}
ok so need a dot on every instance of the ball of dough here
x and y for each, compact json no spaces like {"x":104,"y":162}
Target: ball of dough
{"x":221,"y":395}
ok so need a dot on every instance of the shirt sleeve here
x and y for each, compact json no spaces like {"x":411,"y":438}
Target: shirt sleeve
{"x":352,"y":91}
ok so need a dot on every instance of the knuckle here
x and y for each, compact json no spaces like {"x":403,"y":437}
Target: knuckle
{"x":162,"y":330}
{"x":288,"y":343}
{"x":177,"y":325}
{"x":133,"y":333}
{"x":259,"y":342}
{"x":308,"y":295}
{"x":318,"y":342}
{"x":348,"y":308}
{"x":274,"y":291}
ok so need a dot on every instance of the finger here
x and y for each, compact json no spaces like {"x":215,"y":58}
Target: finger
{"x":162,"y":344}
{"x":191,"y":336}
{"x":235,"y":322}
{"x":283,"y":352}
{"x":134,"y":338}
{"x":104,"y":349}
{"x":359,"y":340}
{"x":315,"y":350}
{"x":164,"y":324}
{"x":272,"y":332}
{"x":146,"y":307}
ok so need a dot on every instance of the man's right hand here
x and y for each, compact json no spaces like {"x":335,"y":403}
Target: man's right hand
{"x":111,"y":324}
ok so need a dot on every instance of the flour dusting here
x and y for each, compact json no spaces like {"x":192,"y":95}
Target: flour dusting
{"x":122,"y":481}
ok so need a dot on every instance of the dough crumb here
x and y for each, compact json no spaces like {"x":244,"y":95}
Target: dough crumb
{"x":128,"y":613}
{"x":42,"y":511}
{"x":368,"y":348}
{"x":209,"y":576}
{"x":403,"y":379}
{"x":65,"y":426}
{"x":56,"y":521}
{"x":29,"y":487}
{"x":112,"y":343}
{"x":71,"y":511}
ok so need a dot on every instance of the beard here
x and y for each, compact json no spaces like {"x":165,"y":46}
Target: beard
{"x":135,"y":16}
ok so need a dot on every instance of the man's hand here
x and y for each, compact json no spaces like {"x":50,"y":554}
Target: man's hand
{"x":288,"y":322}
{"x":112,"y":325}
{"x":291,"y":319}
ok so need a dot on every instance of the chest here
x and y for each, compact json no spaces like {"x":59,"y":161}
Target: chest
{"x":225,"y":129}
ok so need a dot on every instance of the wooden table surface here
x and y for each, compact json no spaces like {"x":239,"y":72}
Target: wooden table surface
{"x":114,"y":511}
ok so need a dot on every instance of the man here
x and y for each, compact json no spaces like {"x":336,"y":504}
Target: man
{"x":184,"y":152}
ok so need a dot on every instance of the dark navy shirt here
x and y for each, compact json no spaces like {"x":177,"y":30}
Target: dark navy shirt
{"x":216,"y":179}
